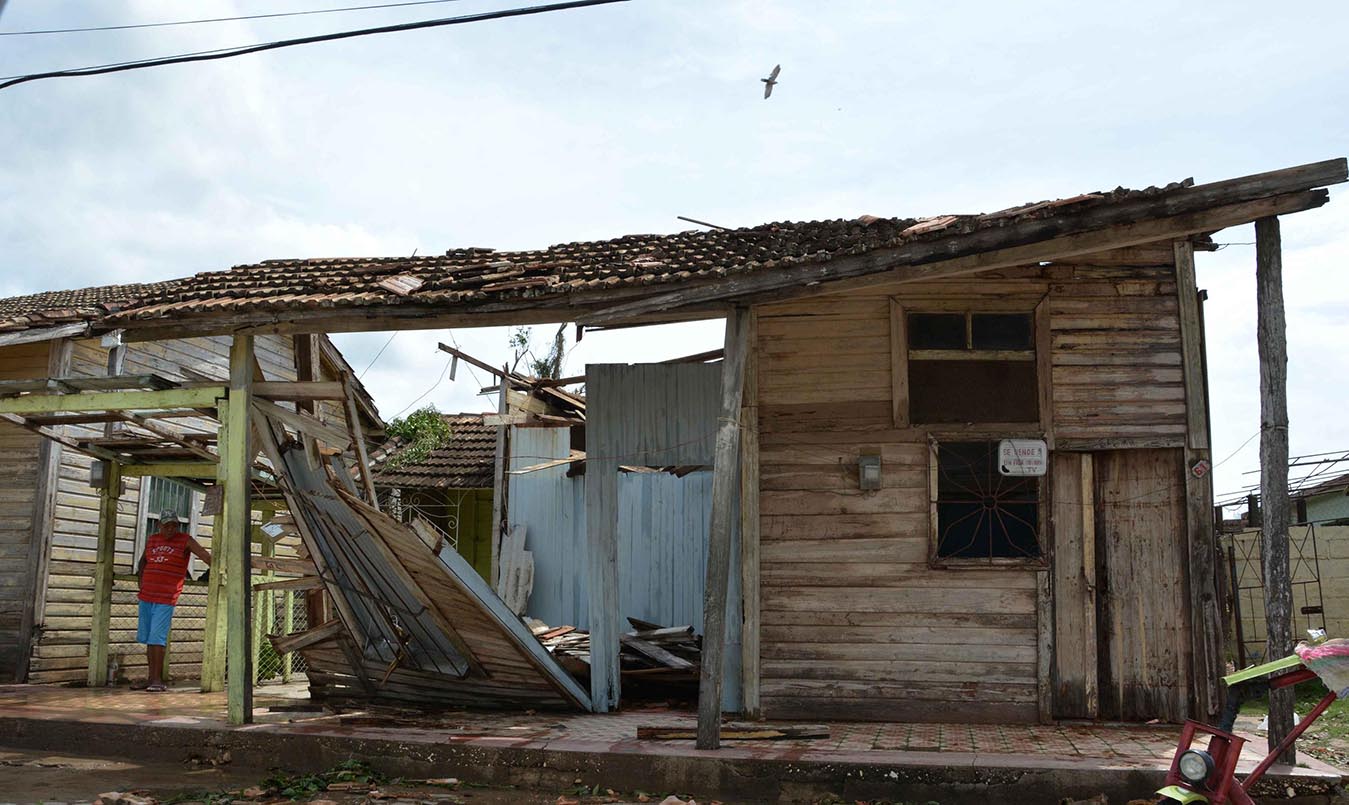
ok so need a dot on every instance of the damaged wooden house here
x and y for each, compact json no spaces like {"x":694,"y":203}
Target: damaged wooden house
{"x":49,"y":524}
{"x":959,"y":465}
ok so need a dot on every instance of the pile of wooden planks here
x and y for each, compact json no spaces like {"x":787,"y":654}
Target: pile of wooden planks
{"x":655,"y":661}
{"x":411,"y":627}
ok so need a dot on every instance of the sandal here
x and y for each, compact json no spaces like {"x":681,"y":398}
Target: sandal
{"x":156,"y":688}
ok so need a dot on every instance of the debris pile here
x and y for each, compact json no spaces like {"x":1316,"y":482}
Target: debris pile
{"x":655,"y":661}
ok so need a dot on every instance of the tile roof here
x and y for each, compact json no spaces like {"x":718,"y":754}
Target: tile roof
{"x":476,"y":276}
{"x":63,"y":307}
{"x":466,"y":463}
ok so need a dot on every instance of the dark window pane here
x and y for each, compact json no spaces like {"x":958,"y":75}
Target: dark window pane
{"x":1001,"y":331}
{"x":973,"y":391}
{"x":982,"y":514}
{"x":936,"y":331}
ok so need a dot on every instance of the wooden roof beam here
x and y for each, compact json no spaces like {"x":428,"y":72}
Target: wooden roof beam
{"x":1026,"y":243}
{"x":199,"y":397}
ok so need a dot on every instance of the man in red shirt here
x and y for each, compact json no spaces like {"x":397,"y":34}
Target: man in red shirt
{"x":162,"y":569}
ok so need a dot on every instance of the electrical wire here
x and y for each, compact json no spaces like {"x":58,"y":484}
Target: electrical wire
{"x":223,"y":19}
{"x":377,"y":354}
{"x":244,"y":50}
{"x":434,"y":386}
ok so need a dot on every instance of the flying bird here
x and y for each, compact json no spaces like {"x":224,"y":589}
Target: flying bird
{"x":770,"y":81}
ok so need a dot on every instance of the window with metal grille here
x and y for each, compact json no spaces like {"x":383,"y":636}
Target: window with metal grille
{"x":158,"y":494}
{"x":979,"y":513}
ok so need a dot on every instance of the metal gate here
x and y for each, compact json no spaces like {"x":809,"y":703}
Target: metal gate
{"x":1246,"y":570}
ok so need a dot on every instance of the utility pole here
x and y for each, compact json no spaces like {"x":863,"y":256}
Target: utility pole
{"x":1272,"y":341}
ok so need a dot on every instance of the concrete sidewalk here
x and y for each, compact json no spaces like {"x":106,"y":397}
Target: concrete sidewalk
{"x":948,"y":763}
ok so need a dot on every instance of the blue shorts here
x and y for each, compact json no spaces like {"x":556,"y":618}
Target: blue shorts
{"x":152,"y":628}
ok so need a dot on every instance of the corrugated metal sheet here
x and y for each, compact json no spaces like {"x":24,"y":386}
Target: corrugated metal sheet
{"x":551,"y":506}
{"x":655,"y":415}
{"x":663,"y":520}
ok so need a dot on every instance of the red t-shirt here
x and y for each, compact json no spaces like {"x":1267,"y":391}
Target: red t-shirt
{"x":166,"y":559}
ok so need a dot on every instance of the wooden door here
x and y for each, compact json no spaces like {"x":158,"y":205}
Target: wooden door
{"x":1142,"y":622}
{"x":1074,"y":670}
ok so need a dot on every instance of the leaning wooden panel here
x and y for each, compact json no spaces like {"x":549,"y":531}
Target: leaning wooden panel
{"x":452,"y":642}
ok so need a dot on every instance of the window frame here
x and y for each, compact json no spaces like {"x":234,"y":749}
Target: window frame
{"x":143,"y":516}
{"x":990,"y":435}
{"x":1040,"y":352}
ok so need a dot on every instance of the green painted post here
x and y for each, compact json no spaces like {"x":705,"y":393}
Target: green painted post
{"x":261,"y":604}
{"x":213,"y":641}
{"x":288,"y":620}
{"x":103,"y":566}
{"x":233,"y":530}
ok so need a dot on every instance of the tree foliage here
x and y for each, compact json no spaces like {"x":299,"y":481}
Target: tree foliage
{"x":423,"y":431}
{"x":550,"y":365}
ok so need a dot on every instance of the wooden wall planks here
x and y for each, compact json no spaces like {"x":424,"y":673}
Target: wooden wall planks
{"x":61,"y":654}
{"x":19,"y":471}
{"x":853,"y":617}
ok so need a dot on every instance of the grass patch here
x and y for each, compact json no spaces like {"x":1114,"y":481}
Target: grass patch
{"x":1328,"y":738}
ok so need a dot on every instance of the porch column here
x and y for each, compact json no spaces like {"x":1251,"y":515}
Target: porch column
{"x":1272,"y":341}
{"x":725,"y":486}
{"x":232,"y":528}
{"x":103,"y":565}
{"x":213,"y":639}
{"x":1206,"y":667}
{"x":601,"y":491}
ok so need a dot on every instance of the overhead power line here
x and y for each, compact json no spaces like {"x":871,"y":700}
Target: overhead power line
{"x":221,"y":19}
{"x":244,"y":50}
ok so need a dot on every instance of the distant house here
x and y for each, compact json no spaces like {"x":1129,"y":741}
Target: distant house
{"x":48,"y":508}
{"x":450,"y":488}
{"x":1324,"y":502}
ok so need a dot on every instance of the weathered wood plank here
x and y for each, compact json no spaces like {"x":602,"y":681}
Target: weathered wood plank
{"x":725,"y":484}
{"x":750,"y":522}
{"x":1272,"y":348}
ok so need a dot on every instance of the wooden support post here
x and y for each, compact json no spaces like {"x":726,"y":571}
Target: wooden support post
{"x":232,"y":529}
{"x":1272,"y":341}
{"x":358,"y":441}
{"x":725,"y":482}
{"x":601,"y":490}
{"x":1205,"y":615}
{"x":261,"y":599}
{"x":501,"y":478}
{"x":308,"y":369}
{"x":749,"y":527}
{"x":214,"y":637}
{"x":288,"y":626}
{"x":103,"y":565}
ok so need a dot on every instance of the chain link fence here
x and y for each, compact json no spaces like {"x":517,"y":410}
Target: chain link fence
{"x":276,"y":612}
{"x":126,"y":657}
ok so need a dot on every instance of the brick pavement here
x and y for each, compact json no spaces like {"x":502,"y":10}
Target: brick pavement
{"x":1130,"y":744}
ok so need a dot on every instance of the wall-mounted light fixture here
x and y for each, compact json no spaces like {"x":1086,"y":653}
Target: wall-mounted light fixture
{"x":869,"y":471}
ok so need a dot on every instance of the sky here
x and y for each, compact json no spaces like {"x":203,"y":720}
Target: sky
{"x":612,"y":120}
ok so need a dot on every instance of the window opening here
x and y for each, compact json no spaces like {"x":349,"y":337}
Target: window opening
{"x":981,"y":513}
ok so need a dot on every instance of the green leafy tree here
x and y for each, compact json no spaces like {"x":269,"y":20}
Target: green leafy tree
{"x":423,"y":430}
{"x":550,"y":365}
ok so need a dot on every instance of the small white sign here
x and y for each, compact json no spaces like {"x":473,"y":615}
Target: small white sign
{"x":1023,"y":457}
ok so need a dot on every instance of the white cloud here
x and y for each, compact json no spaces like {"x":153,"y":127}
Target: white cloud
{"x":595,"y":123}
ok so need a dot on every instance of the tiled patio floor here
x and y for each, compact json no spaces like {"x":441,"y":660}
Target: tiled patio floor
{"x":508,"y":748}
{"x":1145,"y":745}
